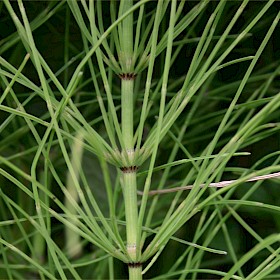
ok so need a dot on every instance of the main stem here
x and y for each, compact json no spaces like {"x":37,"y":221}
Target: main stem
{"x":129,"y":183}
{"x":129,"y":173}
{"x":127,"y":116}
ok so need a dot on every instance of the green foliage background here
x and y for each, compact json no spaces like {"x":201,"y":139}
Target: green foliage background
{"x":59,"y":39}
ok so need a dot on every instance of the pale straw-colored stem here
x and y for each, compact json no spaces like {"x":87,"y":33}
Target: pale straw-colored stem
{"x":213,"y":185}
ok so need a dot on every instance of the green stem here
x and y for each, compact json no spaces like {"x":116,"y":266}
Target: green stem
{"x":135,"y":273}
{"x":129,"y":172}
{"x":127,"y":38}
{"x":127,"y":113}
{"x":129,"y":183}
{"x":72,"y":239}
{"x":131,"y":212}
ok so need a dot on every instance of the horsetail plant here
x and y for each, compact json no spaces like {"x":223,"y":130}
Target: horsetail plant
{"x":136,"y":108}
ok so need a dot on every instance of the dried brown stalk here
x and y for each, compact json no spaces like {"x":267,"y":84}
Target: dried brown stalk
{"x":213,"y":185}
